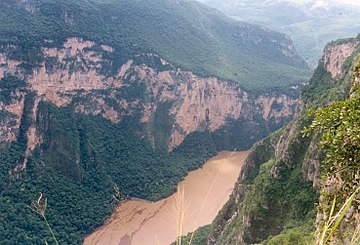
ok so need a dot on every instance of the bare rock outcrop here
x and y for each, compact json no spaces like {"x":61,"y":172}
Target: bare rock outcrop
{"x":79,"y":69}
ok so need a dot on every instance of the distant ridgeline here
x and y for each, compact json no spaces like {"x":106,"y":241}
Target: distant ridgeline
{"x":186,"y":33}
{"x":283,"y":177}
{"x":310,"y":23}
{"x":100,"y":95}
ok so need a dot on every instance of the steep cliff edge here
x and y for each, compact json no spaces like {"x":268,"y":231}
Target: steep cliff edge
{"x":71,"y":77}
{"x":280,"y":181}
{"x":78,"y":121}
{"x":66,"y":125}
{"x":101,"y":96}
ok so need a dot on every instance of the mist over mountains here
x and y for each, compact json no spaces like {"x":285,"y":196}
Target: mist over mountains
{"x":311,"y":24}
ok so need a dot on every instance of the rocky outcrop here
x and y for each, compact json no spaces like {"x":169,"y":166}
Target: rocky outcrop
{"x":10,"y":120}
{"x":7,"y":65}
{"x":206,"y":103}
{"x":83,"y":70}
{"x":356,"y":82}
{"x":335,"y":55}
{"x":256,"y":210}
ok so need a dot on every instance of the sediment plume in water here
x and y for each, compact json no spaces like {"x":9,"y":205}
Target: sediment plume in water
{"x":197,"y":201}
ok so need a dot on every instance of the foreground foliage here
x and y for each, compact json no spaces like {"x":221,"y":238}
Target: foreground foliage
{"x":198,"y":237}
{"x":339,"y":124}
{"x":274,"y":200}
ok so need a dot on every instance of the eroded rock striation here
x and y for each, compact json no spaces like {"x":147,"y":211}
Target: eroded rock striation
{"x":81,"y":75}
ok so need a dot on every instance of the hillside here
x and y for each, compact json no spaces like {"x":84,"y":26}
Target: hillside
{"x":284,"y":176}
{"x":186,"y":33}
{"x":311,"y":24}
{"x":123,"y":98}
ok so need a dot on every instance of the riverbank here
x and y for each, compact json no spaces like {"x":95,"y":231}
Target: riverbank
{"x":197,"y":201}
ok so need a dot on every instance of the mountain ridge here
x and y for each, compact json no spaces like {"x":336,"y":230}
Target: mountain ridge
{"x":89,"y":105}
{"x":209,"y":45}
{"x":311,"y":24}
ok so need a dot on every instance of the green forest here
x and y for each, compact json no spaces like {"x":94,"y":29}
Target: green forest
{"x":209,"y":44}
{"x":83,"y":158}
{"x":278,"y":200}
{"x":86,"y":164}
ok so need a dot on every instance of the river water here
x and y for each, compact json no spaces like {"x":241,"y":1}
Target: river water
{"x":197,"y":201}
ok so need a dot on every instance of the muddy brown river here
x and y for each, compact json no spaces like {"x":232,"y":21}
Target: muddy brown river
{"x":197,"y":201}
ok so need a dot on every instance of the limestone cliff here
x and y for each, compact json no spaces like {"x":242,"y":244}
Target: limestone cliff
{"x":279,"y":184}
{"x":126,"y":96}
{"x":81,"y":75}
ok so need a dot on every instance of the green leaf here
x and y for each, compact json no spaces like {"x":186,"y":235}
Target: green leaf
{"x":342,"y":212}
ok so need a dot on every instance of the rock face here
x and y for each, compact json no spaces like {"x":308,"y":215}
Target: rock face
{"x":259,"y":205}
{"x":130,"y":96}
{"x":82,"y":116}
{"x":10,"y":122}
{"x":335,"y":56}
{"x":83,"y":70}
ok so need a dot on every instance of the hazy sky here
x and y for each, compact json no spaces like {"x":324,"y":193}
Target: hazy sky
{"x":356,"y":2}
{"x":352,"y":2}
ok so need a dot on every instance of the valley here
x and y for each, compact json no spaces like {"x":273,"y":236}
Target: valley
{"x":101,"y":95}
{"x":311,"y":24}
{"x":123,"y":116}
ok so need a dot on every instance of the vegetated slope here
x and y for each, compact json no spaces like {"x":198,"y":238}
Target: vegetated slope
{"x":199,"y":237}
{"x":186,"y":33}
{"x":74,"y":134}
{"x":311,"y":24}
{"x":280,"y":182}
{"x":89,"y":104}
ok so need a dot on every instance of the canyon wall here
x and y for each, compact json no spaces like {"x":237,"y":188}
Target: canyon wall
{"x":81,"y":75}
{"x":280,"y":180}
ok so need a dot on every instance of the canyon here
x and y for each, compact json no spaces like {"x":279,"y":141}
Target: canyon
{"x":74,"y":71}
{"x":64,"y":114}
{"x":100,"y":97}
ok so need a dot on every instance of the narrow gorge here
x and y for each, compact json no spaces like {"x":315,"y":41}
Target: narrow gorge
{"x":108,"y":106}
{"x":48,"y":110}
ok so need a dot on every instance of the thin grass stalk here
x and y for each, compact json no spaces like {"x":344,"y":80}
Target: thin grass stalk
{"x":355,"y":240}
{"x":51,"y":231}
{"x":39,"y":207}
{"x":334,"y":221}
{"x":206,"y":198}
